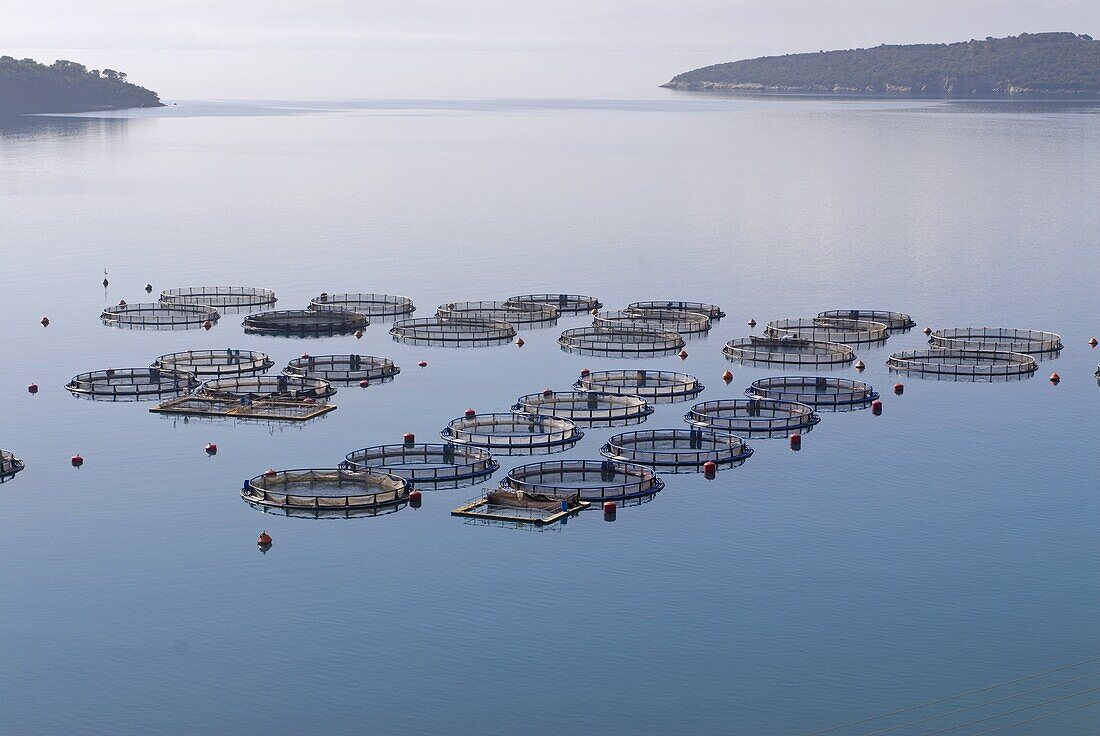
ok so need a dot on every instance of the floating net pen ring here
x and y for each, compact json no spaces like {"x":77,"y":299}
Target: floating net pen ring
{"x":131,"y":384}
{"x":684,"y":323}
{"x":829,"y":329}
{"x":710,"y":310}
{"x":895,"y":321}
{"x":589,"y":407}
{"x":788,"y":351}
{"x":961,"y":364}
{"x":628,"y":342}
{"x":755,"y":417}
{"x":9,"y":465}
{"x":304,"y":323}
{"x":591,"y":480}
{"x":342,"y":368}
{"x":372,"y":305}
{"x":452,"y":332}
{"x":220,"y":297}
{"x":215,"y":362}
{"x":654,"y":386}
{"x":513,"y":433}
{"x":1002,"y":339}
{"x":565,"y":303}
{"x":253,"y":388}
{"x":529,"y":314}
{"x":424,"y":463}
{"x":335,"y":489}
{"x":678,"y":449}
{"x":817,"y":391}
{"x":159,"y":316}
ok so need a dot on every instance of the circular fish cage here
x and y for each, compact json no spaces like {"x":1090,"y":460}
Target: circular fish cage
{"x":215,"y":362}
{"x":426,"y":464}
{"x":252,"y":388}
{"x":962,"y":365}
{"x":9,"y":465}
{"x":678,"y":450}
{"x":788,"y":351}
{"x":159,"y":316}
{"x":754,"y":417}
{"x":452,"y":332}
{"x":513,"y":434}
{"x":225,"y":298}
{"x":528,"y":314}
{"x":829,"y":329}
{"x":653,"y":386}
{"x":343,"y":368}
{"x":304,"y":322}
{"x":895,"y":321}
{"x":564,"y":303}
{"x":371,"y":305}
{"x":591,"y":480}
{"x":326,"y":492}
{"x":131,"y":384}
{"x":998,"y":339}
{"x":836,"y":394}
{"x":620,"y":342}
{"x":684,"y":323}
{"x":587,"y":407}
{"x":713,"y":311}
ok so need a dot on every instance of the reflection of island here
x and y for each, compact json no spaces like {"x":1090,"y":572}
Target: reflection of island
{"x":1036,"y":63}
{"x":65,"y":86}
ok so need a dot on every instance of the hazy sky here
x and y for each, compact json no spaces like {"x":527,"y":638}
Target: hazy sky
{"x":740,"y":27}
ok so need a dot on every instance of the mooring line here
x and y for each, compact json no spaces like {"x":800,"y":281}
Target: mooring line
{"x":1039,"y":718}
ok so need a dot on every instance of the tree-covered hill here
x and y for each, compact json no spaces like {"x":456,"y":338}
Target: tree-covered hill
{"x":1031,"y":63}
{"x":65,"y":86}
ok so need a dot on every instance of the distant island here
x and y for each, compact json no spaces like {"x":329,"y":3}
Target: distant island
{"x":1028,"y":64}
{"x":65,"y":86}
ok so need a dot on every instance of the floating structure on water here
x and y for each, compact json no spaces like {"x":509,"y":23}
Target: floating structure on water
{"x":159,"y":316}
{"x":327,"y":492}
{"x":754,"y":417}
{"x":371,"y":305}
{"x":251,"y":388}
{"x":678,"y":450}
{"x":788,"y":351}
{"x":131,"y":384}
{"x":305,"y":322}
{"x":712,"y":311}
{"x":963,"y":365}
{"x":894,"y":321}
{"x":435,"y":465}
{"x":564,"y":303}
{"x":620,"y":342}
{"x":590,"y":480}
{"x":998,"y":339}
{"x":343,"y":368}
{"x":835,"y":394}
{"x":9,"y":465}
{"x":528,"y":314}
{"x":653,"y":386}
{"x":439,"y":332}
{"x":520,"y":507}
{"x":586,"y":407}
{"x":829,"y":329}
{"x":224,"y":298}
{"x":260,"y":410}
{"x":513,"y":433}
{"x":204,"y":363}
{"x":667,"y":320}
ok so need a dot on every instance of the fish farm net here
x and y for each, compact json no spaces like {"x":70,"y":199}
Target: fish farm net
{"x":372,"y":305}
{"x":678,"y":450}
{"x":653,"y":386}
{"x":215,"y":362}
{"x":837,"y":394}
{"x":959,"y":365}
{"x":788,"y":351}
{"x":435,"y":465}
{"x":829,"y":329}
{"x":895,"y":321}
{"x":343,"y":368}
{"x":620,"y":342}
{"x":131,"y":384}
{"x":268,"y":387}
{"x":586,"y":407}
{"x":514,"y":433}
{"x":565,"y":303}
{"x":712,"y":311}
{"x":590,"y":480}
{"x":328,"y":490}
{"x":305,"y":323}
{"x":9,"y":465}
{"x":439,"y":332}
{"x":159,"y":316}
{"x":225,"y":298}
{"x":999,"y":339}
{"x":528,"y":314}
{"x":517,"y":507}
{"x":684,"y":323}
{"x":753,"y":417}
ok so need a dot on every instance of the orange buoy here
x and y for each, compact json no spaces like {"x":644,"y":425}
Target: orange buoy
{"x":33,"y":388}
{"x":270,"y":473}
{"x":45,"y":321}
{"x":1055,"y":378}
{"x":519,"y":342}
{"x":264,"y":540}
{"x":796,"y":441}
{"x":751,"y":323}
{"x":423,"y":363}
{"x":148,"y":288}
{"x":727,"y":376}
{"x":211,"y":448}
{"x":609,"y":508}
{"x":1092,"y":342}
{"x":709,"y":468}
{"x":876,"y":407}
{"x":206,"y":325}
{"x":470,"y":414}
{"x":358,"y":334}
{"x":415,"y":498}
{"x":927,"y":330}
{"x":682,"y":354}
{"x":585,"y":373}
{"x":76,"y":460}
{"x":410,"y":438}
{"x":860,"y":365}
{"x":899,"y":389}
{"x":364,"y":383}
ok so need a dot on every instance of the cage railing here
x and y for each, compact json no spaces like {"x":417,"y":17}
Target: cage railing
{"x":753,"y":416}
{"x":813,"y":390}
{"x":451,"y":331}
{"x":895,"y":321}
{"x":528,"y":314}
{"x":584,"y":406}
{"x":997,"y":339}
{"x":159,"y":315}
{"x":342,"y":368}
{"x":712,"y":311}
{"x":230,"y":361}
{"x":278,"y":489}
{"x":268,"y":387}
{"x":591,"y":480}
{"x":131,"y":383}
{"x":829,"y":329}
{"x":683,"y":323}
{"x":370,"y":304}
{"x":787,"y":350}
{"x":677,"y":448}
{"x":565,"y":303}
{"x":657,"y":386}
{"x":220,"y":297}
{"x":620,"y":341}
{"x":424,"y":463}
{"x":304,"y":322}
{"x":962,"y":363}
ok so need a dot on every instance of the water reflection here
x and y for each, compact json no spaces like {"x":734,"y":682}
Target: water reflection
{"x":35,"y":128}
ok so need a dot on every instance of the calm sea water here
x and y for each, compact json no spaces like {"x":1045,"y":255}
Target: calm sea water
{"x":946,"y":545}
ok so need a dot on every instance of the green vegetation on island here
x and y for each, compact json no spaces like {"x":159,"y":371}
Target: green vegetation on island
{"x":1031,"y":63}
{"x":65,"y":86}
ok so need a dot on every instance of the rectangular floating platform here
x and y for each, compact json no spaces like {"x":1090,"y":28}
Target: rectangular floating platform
{"x":505,"y":506}
{"x":263,"y":409}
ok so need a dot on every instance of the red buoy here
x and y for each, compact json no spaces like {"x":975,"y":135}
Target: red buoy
{"x":470,"y":414}
{"x":876,"y":407}
{"x":45,"y":321}
{"x":422,"y":363}
{"x":609,"y":508}
{"x":548,"y":392}
{"x":122,"y":302}
{"x":148,"y":288}
{"x":899,"y":389}
{"x":927,"y":330}
{"x":364,"y":383}
{"x":264,"y":540}
{"x":270,"y":473}
{"x":796,"y":441}
{"x":519,"y":342}
{"x":709,"y":468}
{"x":585,"y":373}
{"x":206,"y":325}
{"x":1092,"y":342}
{"x":358,"y":334}
{"x":682,"y":354}
{"x":727,"y":376}
{"x":211,"y":448}
{"x":1055,"y":378}
{"x":860,"y":366}
{"x":751,"y":323}
{"x":410,"y":438}
{"x":415,"y":498}
{"x":33,"y":388}
{"x":76,"y":460}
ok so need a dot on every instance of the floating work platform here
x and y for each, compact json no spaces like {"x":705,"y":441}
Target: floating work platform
{"x":263,"y":409}
{"x":9,"y":465}
{"x":521,"y":508}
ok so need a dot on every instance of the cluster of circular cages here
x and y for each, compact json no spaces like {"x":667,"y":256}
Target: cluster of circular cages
{"x":653,"y":386}
{"x":327,"y":492}
{"x":986,"y":354}
{"x":10,"y":465}
{"x":160,"y":316}
{"x":819,"y":392}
